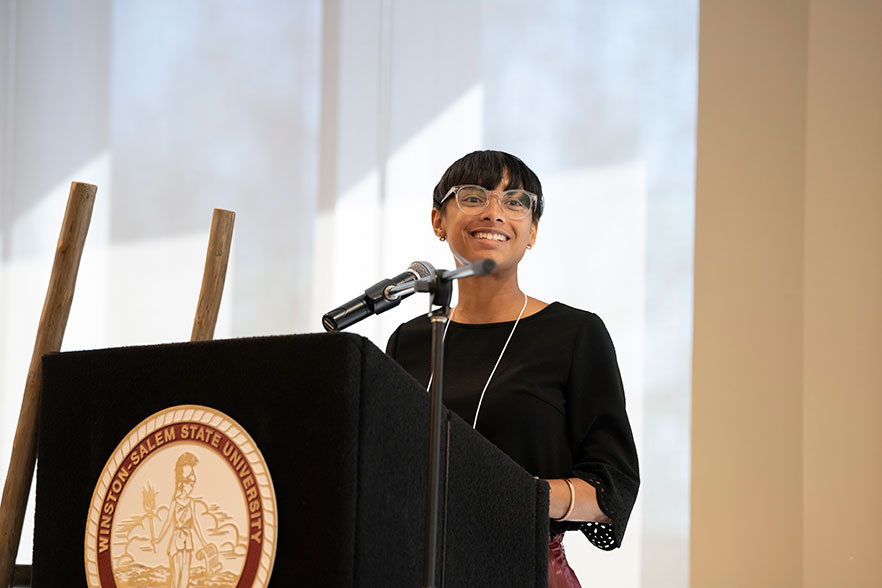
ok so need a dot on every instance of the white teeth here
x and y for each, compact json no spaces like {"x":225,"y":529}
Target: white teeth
{"x":490,"y":236}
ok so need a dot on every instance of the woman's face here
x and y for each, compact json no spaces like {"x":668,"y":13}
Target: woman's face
{"x":488,"y":234}
{"x":189,"y":479}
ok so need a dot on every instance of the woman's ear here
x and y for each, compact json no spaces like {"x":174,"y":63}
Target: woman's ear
{"x":438,"y":224}
{"x":533,"y":230}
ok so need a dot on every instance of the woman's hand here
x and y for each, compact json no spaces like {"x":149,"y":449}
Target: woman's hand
{"x":585,"y":507}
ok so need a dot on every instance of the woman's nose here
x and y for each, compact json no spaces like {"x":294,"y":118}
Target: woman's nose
{"x":494,"y":208}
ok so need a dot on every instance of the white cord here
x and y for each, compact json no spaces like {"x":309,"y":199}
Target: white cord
{"x":504,"y":347}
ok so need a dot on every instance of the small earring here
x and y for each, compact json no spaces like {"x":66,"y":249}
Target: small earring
{"x":442,"y":238}
{"x":529,"y":246}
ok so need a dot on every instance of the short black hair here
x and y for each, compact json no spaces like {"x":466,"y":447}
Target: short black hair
{"x":487,"y":168}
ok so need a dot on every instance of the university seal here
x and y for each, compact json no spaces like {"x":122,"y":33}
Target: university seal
{"x":185,"y":500}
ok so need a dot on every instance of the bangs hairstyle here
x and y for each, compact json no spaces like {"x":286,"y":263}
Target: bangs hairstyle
{"x":486,"y":169}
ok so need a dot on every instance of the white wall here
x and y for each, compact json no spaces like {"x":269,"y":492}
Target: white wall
{"x":325,"y":126}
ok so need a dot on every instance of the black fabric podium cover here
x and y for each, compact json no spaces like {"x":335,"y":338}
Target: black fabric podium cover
{"x":344,"y":431}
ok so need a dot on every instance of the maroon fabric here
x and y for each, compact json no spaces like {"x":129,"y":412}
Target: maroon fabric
{"x":560,"y":575}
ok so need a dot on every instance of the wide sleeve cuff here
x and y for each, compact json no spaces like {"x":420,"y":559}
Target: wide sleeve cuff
{"x":616,"y":494}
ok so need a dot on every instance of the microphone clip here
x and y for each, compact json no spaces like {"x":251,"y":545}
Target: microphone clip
{"x":439,"y":285}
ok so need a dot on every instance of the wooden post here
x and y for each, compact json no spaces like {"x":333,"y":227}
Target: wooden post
{"x":50,"y":332}
{"x":213,"y":275}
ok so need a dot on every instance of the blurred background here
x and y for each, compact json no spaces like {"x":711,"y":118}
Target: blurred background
{"x":325,"y":125}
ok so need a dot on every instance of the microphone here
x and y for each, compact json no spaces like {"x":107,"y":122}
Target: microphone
{"x":480,"y":267}
{"x":378,"y":298}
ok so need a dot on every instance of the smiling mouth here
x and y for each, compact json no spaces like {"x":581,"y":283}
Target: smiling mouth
{"x":489,"y":236}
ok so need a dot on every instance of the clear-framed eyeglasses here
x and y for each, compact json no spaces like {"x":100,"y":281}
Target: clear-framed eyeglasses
{"x":471,"y":200}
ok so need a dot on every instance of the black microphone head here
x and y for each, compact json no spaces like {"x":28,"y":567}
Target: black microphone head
{"x":348,"y":314}
{"x":423,"y":269}
{"x":329,"y":323}
{"x":483,"y":267}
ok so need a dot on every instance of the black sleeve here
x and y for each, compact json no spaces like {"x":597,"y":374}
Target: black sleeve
{"x":604,"y":454}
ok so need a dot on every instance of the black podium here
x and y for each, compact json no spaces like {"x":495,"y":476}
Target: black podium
{"x":344,"y":432}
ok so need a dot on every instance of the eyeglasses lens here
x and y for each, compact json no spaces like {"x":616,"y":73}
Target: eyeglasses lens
{"x":474,"y":199}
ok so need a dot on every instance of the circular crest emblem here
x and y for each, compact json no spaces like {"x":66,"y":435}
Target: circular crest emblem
{"x":185,"y":500}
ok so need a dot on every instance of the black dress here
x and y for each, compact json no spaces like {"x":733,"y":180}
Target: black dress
{"x":555,"y":404}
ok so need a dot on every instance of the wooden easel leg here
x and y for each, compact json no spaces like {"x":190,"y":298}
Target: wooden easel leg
{"x":213,"y":275}
{"x":21,"y":577}
{"x":50,"y":333}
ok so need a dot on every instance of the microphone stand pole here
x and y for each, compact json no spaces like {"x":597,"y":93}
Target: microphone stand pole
{"x":440,"y":293}
{"x":440,"y":288}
